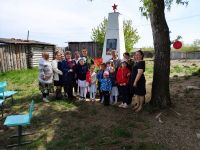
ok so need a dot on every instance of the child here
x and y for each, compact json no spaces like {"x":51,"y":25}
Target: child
{"x":75,"y":85}
{"x":122,"y":77}
{"x":114,"y":94}
{"x":106,"y":87}
{"x":108,"y":66}
{"x":91,"y":81}
{"x":81,"y":71}
{"x":99,"y":77}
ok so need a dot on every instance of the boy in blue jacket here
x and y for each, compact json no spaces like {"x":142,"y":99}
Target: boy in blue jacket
{"x":106,"y":87}
{"x":99,"y":77}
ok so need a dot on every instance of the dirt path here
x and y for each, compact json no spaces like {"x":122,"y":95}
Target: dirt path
{"x":181,"y":123}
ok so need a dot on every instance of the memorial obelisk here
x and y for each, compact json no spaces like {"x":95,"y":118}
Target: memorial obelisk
{"x":114,"y":38}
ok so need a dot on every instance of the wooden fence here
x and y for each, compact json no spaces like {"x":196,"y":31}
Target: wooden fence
{"x":185,"y":55}
{"x":93,"y":48}
{"x":19,"y":56}
{"x":13,"y":57}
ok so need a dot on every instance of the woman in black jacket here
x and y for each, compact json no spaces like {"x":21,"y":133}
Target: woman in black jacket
{"x":68,"y":69}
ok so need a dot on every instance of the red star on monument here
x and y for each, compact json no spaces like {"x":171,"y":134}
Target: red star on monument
{"x":114,"y":7}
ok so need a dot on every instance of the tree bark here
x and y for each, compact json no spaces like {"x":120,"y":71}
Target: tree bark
{"x":160,"y":88}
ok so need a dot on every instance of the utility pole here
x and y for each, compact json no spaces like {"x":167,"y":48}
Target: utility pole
{"x":27,"y":36}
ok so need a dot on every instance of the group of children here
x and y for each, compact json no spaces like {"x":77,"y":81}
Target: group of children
{"x":113,"y":82}
{"x":108,"y":81}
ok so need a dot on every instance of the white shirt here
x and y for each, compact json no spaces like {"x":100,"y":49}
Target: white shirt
{"x":56,"y":71}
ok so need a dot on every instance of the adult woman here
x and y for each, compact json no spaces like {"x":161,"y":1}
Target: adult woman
{"x":138,"y":80}
{"x":57,"y":73}
{"x":115,"y":59}
{"x":45,"y":76}
{"x":68,"y":69}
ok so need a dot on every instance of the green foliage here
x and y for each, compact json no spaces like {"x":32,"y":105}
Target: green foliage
{"x":184,"y":70}
{"x":168,"y":3}
{"x":197,"y":73}
{"x":23,"y":81}
{"x":149,"y":5}
{"x":149,"y":49}
{"x":131,"y":36}
{"x":98,"y":33}
{"x":177,"y":69}
{"x":146,"y":8}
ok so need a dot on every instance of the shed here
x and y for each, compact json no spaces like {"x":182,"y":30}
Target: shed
{"x":18,"y":54}
{"x":93,"y":48}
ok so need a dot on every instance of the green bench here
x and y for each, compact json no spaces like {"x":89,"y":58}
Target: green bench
{"x":7,"y":93}
{"x":2,"y":99}
{"x":20,"y":121}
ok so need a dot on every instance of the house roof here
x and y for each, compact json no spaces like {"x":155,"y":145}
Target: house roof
{"x":21,"y":41}
{"x":80,"y":42}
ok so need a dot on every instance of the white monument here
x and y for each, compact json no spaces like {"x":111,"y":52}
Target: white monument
{"x":114,"y":38}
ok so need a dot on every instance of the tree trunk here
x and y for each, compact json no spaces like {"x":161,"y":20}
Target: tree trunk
{"x":160,"y":89}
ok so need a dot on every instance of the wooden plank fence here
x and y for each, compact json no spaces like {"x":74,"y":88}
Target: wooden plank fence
{"x":12,"y":57}
{"x":185,"y":55}
{"x":19,"y":56}
{"x":93,"y":48}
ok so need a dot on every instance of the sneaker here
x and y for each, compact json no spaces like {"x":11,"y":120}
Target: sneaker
{"x":80,"y":99}
{"x":121,"y":105}
{"x":125,"y":105}
{"x":45,"y":100}
{"x":114,"y":103}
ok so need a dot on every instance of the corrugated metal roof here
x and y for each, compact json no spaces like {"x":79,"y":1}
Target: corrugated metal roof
{"x":21,"y":41}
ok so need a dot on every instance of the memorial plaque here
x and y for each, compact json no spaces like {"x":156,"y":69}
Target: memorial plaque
{"x":111,"y":45}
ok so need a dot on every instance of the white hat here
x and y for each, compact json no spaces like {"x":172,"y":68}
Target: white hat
{"x":83,"y":58}
{"x":106,"y":73}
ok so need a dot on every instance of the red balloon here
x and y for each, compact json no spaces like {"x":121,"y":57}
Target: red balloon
{"x":177,"y":45}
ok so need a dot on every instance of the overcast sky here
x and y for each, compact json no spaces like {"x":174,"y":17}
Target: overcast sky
{"x":60,"y":21}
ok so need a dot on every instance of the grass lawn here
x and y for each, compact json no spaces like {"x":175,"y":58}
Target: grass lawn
{"x":63,"y":125}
